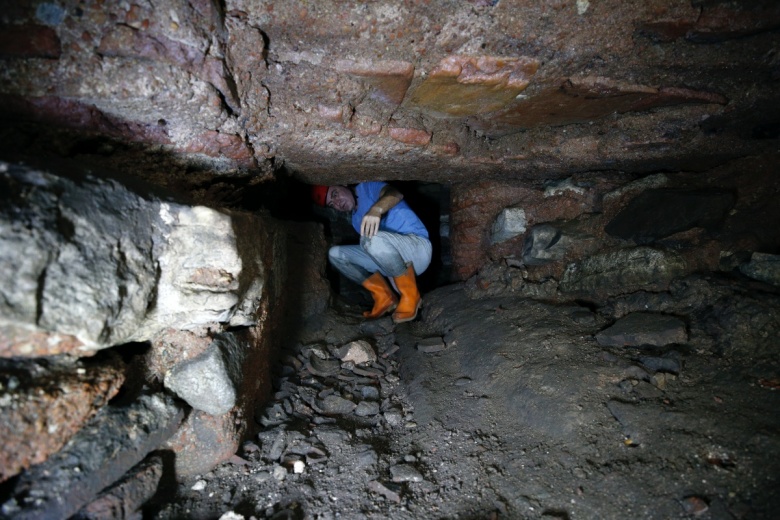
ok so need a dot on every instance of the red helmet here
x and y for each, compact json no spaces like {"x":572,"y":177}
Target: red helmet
{"x":319,"y":194}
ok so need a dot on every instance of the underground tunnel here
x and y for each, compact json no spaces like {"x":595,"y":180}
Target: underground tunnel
{"x":597,"y":334}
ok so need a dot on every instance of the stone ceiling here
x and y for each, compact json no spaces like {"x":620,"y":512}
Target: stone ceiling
{"x":433,"y":90}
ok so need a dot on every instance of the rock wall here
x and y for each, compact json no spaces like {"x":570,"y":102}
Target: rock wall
{"x":112,"y":294}
{"x":597,"y":235}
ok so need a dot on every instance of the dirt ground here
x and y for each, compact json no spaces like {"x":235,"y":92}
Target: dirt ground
{"x":495,"y":405}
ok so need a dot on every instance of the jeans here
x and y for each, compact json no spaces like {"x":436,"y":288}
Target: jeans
{"x":387,"y":253}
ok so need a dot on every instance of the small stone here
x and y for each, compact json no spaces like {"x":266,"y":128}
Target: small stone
{"x":431,"y":345}
{"x":661,"y":364}
{"x":659,"y":380}
{"x":299,"y":466}
{"x":369,"y":392}
{"x":359,"y":352}
{"x":323,"y":367}
{"x":510,"y":223}
{"x":199,"y":485}
{"x":393,"y":418}
{"x":367,"y":409}
{"x":262,"y":476}
{"x":335,"y":405}
{"x":378,"y":488}
{"x":230,"y":515}
{"x":280,"y":473}
{"x":694,"y":505}
{"x":366,"y":458}
{"x":405,"y":473}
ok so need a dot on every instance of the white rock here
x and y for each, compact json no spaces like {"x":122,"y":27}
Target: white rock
{"x":199,"y":485}
{"x":299,"y":466}
{"x":359,"y":352}
{"x":509,"y":223}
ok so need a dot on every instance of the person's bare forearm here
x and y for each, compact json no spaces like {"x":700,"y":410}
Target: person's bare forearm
{"x":388,"y":198}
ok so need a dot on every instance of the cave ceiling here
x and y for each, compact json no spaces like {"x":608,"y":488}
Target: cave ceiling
{"x":438,"y":91}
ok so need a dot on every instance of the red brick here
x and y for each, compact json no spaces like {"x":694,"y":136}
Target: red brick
{"x":410,"y":136}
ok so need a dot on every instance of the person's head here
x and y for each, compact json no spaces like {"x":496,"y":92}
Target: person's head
{"x":340,"y":198}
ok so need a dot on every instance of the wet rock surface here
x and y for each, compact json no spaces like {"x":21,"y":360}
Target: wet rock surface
{"x":523,"y":414}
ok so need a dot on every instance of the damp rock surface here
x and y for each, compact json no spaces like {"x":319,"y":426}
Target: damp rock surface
{"x":523,"y":415}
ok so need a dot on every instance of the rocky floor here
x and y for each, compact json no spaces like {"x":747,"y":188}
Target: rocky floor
{"x":495,"y":405}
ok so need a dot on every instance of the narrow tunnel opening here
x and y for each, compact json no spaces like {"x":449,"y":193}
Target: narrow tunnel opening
{"x":288,"y":199}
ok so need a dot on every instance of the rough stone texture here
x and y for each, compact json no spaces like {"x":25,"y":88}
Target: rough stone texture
{"x":83,"y":246}
{"x":476,"y":206}
{"x":209,"y":382}
{"x":509,"y":223}
{"x":112,"y":443}
{"x":656,"y":214}
{"x":307,"y":290}
{"x":125,"y":498}
{"x":205,"y":440}
{"x":548,"y":243}
{"x":246,"y":87}
{"x":644,"y":328}
{"x":44,"y":403}
{"x":623,"y":271}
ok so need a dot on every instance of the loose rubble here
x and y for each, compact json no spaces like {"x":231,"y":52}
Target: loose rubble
{"x":499,"y":406}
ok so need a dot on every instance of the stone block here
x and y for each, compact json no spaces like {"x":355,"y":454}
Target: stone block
{"x":583,"y":99}
{"x":216,"y":144}
{"x":204,"y":440}
{"x":80,"y":116}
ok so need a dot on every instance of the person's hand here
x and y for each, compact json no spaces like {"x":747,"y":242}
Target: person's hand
{"x":370,"y":224}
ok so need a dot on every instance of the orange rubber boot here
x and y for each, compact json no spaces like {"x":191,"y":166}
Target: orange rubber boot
{"x":410,"y":297}
{"x":384,"y":298}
